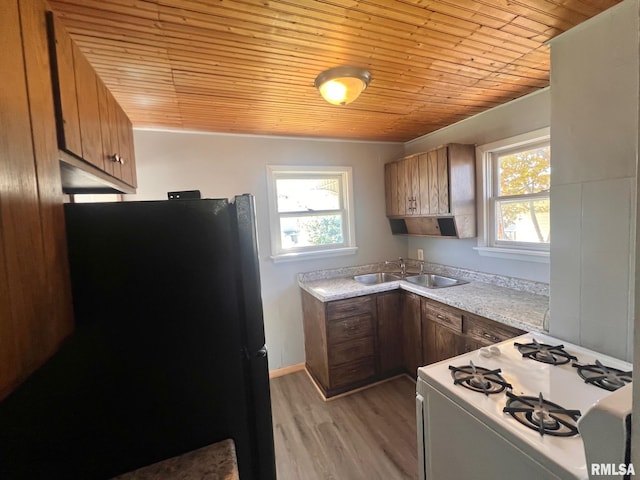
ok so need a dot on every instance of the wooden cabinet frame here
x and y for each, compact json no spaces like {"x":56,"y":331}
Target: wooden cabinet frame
{"x":433,"y":193}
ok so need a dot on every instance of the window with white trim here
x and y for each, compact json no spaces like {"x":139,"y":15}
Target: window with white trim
{"x":311,"y":211}
{"x":514,"y":218}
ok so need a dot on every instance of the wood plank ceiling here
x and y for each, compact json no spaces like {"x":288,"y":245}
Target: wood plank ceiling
{"x":248,"y":66}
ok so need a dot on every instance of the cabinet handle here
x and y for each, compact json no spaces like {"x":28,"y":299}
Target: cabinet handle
{"x":115,"y":158}
{"x":121,"y":161}
{"x":493,"y":338}
{"x":442,"y":317}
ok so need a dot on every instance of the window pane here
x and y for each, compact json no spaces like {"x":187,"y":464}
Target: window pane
{"x":311,"y":194}
{"x":311,"y":231}
{"x":523,"y":220}
{"x":524,"y":172}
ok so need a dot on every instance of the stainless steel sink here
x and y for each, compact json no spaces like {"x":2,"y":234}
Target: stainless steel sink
{"x":375,"y":278}
{"x":431,"y":280}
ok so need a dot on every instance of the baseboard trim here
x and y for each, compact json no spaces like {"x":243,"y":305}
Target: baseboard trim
{"x":279,"y":372}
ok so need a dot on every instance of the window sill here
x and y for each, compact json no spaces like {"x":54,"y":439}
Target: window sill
{"x":514,"y":254}
{"x":298,"y":256}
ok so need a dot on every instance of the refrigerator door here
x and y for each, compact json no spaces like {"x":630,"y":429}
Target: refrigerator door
{"x":158,"y":364}
{"x":253,"y":330}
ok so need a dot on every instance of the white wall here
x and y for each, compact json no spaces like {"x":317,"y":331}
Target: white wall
{"x":225,"y":165}
{"x":514,"y":118}
{"x":594,"y":144}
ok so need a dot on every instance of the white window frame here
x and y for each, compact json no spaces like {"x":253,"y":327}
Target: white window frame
{"x":487,"y":244}
{"x":348,"y":247}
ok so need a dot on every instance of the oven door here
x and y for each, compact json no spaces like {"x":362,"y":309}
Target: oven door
{"x":455,"y":444}
{"x":420,"y":429}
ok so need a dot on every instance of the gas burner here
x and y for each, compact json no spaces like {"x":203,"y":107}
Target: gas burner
{"x":602,"y":376}
{"x":479,"y":379}
{"x":542,"y":415}
{"x":541,"y":352}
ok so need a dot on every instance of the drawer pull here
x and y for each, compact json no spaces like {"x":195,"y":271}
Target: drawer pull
{"x":493,"y":338}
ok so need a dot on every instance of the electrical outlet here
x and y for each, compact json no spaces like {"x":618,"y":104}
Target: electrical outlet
{"x":420,"y":254}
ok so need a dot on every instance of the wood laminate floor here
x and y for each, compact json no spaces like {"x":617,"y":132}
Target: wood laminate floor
{"x":369,"y":435}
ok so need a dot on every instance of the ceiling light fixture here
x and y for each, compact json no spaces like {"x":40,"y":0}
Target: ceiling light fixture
{"x":342,"y":85}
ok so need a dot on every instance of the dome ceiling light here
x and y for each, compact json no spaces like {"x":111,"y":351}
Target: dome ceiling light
{"x":342,"y":85}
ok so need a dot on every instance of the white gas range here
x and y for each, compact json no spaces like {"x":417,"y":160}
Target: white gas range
{"x":464,"y":431}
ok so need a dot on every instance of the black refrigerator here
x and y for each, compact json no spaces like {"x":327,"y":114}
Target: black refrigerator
{"x":168,"y":354}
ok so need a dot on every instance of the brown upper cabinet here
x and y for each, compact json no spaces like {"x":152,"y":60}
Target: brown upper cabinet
{"x":92,"y":127}
{"x":433,"y":193}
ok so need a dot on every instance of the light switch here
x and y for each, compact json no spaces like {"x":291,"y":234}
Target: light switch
{"x":420,"y":254}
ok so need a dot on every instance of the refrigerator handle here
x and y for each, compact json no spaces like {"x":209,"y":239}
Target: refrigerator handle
{"x":260,"y":353}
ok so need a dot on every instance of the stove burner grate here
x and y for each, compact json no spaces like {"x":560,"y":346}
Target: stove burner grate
{"x":542,"y":415}
{"x":602,"y":376}
{"x":479,"y":379}
{"x":541,"y":352}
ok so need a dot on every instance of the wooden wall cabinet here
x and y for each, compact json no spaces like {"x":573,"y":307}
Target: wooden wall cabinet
{"x":36,"y":312}
{"x":438,"y":183}
{"x":92,"y":127}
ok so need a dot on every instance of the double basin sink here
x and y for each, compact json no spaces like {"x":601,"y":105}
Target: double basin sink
{"x":427,"y":280}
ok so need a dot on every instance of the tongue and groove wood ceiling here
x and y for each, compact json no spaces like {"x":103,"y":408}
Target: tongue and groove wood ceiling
{"x":248,"y":66}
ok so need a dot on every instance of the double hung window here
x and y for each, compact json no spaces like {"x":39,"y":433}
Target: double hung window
{"x":311,"y":211}
{"x":516,"y":182}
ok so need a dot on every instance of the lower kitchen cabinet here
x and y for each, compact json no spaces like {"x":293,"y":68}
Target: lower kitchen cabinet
{"x":480,"y":331}
{"x":411,"y":332}
{"x":448,"y":331}
{"x":340,"y":342}
{"x":389,"y":332}
{"x":442,"y":331}
{"x":353,"y":342}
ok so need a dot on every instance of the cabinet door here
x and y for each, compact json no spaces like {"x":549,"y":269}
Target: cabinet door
{"x":443,"y":180}
{"x":423,"y":171}
{"x":432,"y":180}
{"x":442,"y":328}
{"x":412,"y":182}
{"x":486,"y":331}
{"x":447,"y":343}
{"x":64,"y":86}
{"x":88,"y":109}
{"x":109,"y":129}
{"x":389,"y":332}
{"x":125,"y":142}
{"x":440,"y":342}
{"x":411,"y":332}
{"x":391,"y":188}
{"x":402,"y":187}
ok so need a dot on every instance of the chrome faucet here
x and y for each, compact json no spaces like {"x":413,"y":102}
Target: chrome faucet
{"x":400,"y":263}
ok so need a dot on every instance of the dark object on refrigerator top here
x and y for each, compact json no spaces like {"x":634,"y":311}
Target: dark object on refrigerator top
{"x":168,"y":354}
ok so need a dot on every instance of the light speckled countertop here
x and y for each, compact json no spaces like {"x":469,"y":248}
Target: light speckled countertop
{"x":213,"y":462}
{"x":519,"y":303}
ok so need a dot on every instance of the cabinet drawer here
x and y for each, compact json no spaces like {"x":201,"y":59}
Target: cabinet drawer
{"x":349,"y":307}
{"x":351,"y":328}
{"x":488,"y":331}
{"x":442,"y":315}
{"x":350,"y":351}
{"x":352,"y":372}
